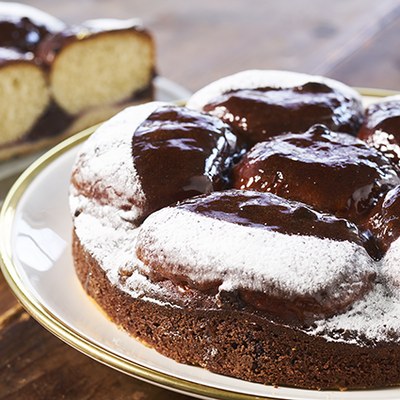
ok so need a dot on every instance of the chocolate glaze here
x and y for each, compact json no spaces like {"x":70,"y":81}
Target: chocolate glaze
{"x":23,"y":27}
{"x":258,"y":114}
{"x":273,"y":213}
{"x":53,"y":122}
{"x":385,"y":219}
{"x":381,"y":128}
{"x":22,"y":34}
{"x":179,"y":153}
{"x":333,"y":172}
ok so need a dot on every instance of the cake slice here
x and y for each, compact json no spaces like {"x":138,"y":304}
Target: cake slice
{"x":102,"y":61}
{"x":23,"y":94}
{"x":57,"y":80}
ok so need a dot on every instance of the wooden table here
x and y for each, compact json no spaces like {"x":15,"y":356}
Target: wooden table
{"x":356,"y":42}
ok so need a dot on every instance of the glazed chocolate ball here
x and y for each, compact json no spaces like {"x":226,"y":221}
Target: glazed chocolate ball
{"x":261,"y":104}
{"x":333,"y":172}
{"x":179,"y":153}
{"x":381,"y":128}
{"x":252,"y":221}
{"x":385,"y":220}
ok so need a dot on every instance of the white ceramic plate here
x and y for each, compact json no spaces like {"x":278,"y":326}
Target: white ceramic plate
{"x":35,"y":247}
{"x":165,"y":90}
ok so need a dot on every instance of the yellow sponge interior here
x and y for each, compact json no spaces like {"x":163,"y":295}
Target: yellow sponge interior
{"x":102,"y":69}
{"x":23,"y":97}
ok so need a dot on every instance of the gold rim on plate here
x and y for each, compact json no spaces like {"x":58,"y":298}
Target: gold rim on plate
{"x":60,"y":329}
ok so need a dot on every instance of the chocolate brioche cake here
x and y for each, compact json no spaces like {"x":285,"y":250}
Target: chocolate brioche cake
{"x":274,"y":263}
{"x":57,"y":80}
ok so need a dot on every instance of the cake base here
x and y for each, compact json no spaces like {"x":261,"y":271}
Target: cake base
{"x":236,"y":343}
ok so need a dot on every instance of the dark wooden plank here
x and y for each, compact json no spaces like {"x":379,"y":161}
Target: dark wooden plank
{"x":36,"y":365}
{"x":5,"y":185}
{"x":7,"y":299}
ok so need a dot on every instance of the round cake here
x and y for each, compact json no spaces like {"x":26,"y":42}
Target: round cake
{"x":270,"y":255}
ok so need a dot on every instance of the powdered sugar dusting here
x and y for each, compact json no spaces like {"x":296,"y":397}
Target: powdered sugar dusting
{"x":253,"y":79}
{"x":391,"y":264}
{"x":206,"y":249}
{"x":376,"y":317}
{"x":113,"y":248}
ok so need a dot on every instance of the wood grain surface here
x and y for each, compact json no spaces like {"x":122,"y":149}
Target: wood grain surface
{"x":198,"y":42}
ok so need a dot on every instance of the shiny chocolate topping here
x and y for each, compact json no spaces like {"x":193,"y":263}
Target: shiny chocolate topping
{"x":258,"y":114}
{"x":385,"y":220}
{"x":333,"y":172}
{"x":272,"y":213}
{"x":23,"y":27}
{"x":381,"y":128}
{"x":179,"y":153}
{"x":22,"y":34}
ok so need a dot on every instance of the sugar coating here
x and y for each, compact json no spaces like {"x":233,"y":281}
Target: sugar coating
{"x":253,"y":79}
{"x":113,"y":247}
{"x":375,"y":317}
{"x":113,"y":251}
{"x":391,"y":264}
{"x":206,"y":249}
